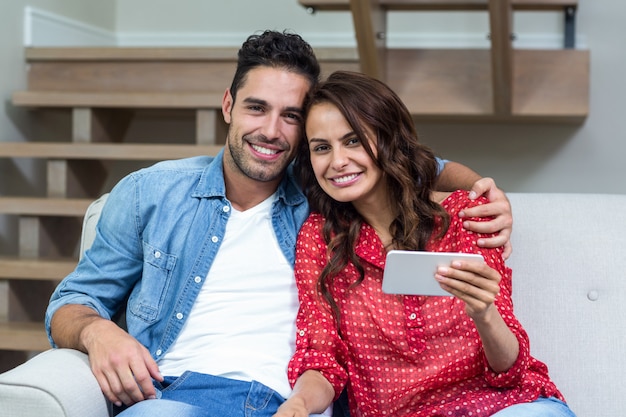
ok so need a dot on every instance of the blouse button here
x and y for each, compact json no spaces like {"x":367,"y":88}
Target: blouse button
{"x":158,"y":352}
{"x":157,"y":254}
{"x":301,"y":333}
{"x":179,"y":316}
{"x":226,"y":209}
{"x":197,"y":280}
{"x":214,"y":239}
{"x":593,"y":295}
{"x":412,"y":316}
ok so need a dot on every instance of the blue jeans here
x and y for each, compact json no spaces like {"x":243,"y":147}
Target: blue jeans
{"x":200,"y":395}
{"x":541,"y":407}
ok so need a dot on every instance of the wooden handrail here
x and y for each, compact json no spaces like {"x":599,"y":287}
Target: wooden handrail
{"x":556,"y":5}
{"x":501,"y":22}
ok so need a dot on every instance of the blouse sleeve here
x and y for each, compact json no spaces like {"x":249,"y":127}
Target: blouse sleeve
{"x":504,"y":302}
{"x":318,"y":345}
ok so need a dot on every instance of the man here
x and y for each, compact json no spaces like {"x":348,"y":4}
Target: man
{"x":201,"y":251}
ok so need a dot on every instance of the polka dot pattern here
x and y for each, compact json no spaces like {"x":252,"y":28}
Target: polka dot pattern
{"x":407,"y":355}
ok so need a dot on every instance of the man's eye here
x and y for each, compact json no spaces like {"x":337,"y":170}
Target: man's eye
{"x":294,"y":117}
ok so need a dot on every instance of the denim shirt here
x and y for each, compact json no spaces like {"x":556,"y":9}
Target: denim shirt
{"x":156,"y":239}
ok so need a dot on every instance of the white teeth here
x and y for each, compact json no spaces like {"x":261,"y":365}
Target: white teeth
{"x":264,"y":151}
{"x":347,"y":178}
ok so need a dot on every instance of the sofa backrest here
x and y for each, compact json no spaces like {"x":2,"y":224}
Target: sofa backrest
{"x":569,"y":290}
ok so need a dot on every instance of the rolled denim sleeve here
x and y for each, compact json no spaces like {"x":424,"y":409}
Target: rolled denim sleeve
{"x":110,"y":268}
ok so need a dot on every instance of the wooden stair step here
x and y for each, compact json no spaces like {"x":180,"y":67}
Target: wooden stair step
{"x":175,"y":71}
{"x":36,"y":269}
{"x":122,"y":99}
{"x":104,"y":151}
{"x":23,"y":336}
{"x":44,"y":206}
{"x":557,"y":5}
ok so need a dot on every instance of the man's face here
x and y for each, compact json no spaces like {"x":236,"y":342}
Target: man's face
{"x":265,"y":123}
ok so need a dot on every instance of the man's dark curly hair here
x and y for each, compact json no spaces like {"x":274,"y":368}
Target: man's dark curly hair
{"x":276,"y":50}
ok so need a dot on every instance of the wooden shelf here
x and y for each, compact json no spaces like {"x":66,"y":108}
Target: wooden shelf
{"x":36,"y":269}
{"x":455,"y":84}
{"x":99,"y":99}
{"x":104,"y":151}
{"x":44,"y":206}
{"x":28,"y":336}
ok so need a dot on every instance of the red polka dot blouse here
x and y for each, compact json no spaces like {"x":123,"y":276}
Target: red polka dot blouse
{"x":401,"y":355}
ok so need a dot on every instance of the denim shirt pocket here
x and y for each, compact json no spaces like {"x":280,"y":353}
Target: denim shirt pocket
{"x":147,"y":298}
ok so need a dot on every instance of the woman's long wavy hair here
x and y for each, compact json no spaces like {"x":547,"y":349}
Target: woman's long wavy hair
{"x":409,"y":168}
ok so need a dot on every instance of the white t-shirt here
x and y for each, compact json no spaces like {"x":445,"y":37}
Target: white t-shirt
{"x":242,"y":325}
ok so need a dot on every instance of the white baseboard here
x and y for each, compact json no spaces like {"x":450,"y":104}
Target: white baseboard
{"x":43,"y":28}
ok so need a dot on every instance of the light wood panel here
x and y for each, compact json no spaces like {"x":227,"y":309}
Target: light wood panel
{"x":36,"y":269}
{"x":104,"y":151}
{"x":23,"y":336}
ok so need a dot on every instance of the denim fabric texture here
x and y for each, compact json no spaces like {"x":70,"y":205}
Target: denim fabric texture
{"x":157,"y":237}
{"x":200,"y":395}
{"x":541,"y":407}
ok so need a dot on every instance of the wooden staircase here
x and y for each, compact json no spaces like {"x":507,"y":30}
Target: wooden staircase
{"x":102,"y":90}
{"x":500,"y":84}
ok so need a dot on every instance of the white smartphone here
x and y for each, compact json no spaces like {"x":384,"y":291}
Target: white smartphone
{"x":413,"y":272}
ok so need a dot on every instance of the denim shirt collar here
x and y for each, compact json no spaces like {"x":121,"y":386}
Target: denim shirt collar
{"x":211,"y":184}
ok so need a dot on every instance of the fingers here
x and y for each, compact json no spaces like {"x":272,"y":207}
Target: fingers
{"x":508,"y":250}
{"x":476,"y":284}
{"x":125,"y":374}
{"x":482,"y":186}
{"x":492,"y":209}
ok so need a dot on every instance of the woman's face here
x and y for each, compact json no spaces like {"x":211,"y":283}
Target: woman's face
{"x":341,"y":164}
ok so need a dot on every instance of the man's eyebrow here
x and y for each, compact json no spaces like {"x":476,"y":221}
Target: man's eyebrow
{"x":254,"y":100}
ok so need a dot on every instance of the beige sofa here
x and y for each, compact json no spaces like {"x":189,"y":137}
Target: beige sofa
{"x":569,"y":269}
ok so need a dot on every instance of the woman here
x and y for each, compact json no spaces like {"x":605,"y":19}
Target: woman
{"x":370,"y":185}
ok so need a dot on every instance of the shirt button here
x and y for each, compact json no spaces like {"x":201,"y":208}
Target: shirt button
{"x":157,"y":254}
{"x":412,"y":316}
{"x":301,"y":333}
{"x":197,"y":279}
{"x":158,"y":352}
{"x":226,"y":209}
{"x":214,"y":239}
{"x":179,"y":316}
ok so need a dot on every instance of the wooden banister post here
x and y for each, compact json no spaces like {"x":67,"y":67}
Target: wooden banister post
{"x":501,"y":25}
{"x":370,"y":27}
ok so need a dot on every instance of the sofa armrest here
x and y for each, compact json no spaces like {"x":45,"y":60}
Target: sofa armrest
{"x":55,"y":383}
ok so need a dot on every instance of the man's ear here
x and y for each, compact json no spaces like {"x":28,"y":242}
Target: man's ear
{"x":227,"y":105}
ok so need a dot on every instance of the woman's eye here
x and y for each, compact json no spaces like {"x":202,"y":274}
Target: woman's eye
{"x":353,"y":141}
{"x":320,"y":148}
